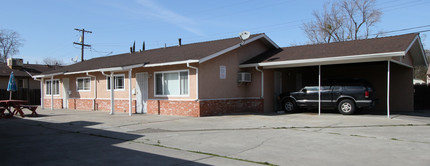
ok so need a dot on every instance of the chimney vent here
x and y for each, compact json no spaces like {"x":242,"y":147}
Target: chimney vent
{"x":179,"y":40}
{"x":15,"y":63}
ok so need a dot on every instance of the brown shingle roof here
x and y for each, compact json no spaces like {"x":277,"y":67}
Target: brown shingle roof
{"x":193,"y":51}
{"x":348,"y":48}
{"x":33,"y":69}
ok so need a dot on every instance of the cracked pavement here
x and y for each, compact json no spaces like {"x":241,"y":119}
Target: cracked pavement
{"x":97,"y":138}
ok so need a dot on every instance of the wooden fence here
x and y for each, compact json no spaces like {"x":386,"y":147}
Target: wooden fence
{"x":422,"y":97}
{"x":31,"y":95}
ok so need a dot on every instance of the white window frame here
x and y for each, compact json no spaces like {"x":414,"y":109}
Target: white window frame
{"x":46,"y":89}
{"x":179,"y":75}
{"x":115,"y":75}
{"x":77,"y":85}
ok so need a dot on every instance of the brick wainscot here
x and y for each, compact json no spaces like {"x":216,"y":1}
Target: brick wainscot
{"x":101,"y":104}
{"x":58,"y":103}
{"x":167,"y":107}
{"x":203,"y":107}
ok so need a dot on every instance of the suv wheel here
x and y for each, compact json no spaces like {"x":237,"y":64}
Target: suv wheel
{"x":346,"y":107}
{"x":289,"y":106}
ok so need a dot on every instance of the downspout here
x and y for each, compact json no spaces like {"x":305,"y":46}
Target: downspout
{"x":112,"y":89}
{"x":129,"y":93}
{"x":197,"y":79}
{"x":95,"y":90}
{"x":262,"y":81}
{"x":52,"y":92}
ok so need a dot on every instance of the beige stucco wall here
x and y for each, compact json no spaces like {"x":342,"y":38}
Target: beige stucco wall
{"x":401,"y":88}
{"x":211,"y":86}
{"x":151,"y":83}
{"x":407,"y":59}
{"x":60,"y":86}
{"x":269,"y":90}
{"x":104,"y":93}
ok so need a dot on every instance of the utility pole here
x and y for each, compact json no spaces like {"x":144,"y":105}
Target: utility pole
{"x":82,"y":43}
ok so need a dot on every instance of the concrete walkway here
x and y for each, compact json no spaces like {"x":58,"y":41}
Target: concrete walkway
{"x":64,"y":137}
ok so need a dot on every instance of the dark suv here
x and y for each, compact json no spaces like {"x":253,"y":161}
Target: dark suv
{"x":347,"y":96}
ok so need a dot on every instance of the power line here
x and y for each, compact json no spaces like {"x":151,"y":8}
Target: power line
{"x":406,"y":5}
{"x":405,"y":29}
{"x":82,"y":41}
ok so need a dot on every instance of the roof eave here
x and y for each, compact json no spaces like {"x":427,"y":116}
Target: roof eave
{"x":327,"y":61}
{"x":125,"y":68}
{"x":47,"y":75}
{"x":261,"y":36}
{"x":172,"y":63}
{"x":422,"y":56}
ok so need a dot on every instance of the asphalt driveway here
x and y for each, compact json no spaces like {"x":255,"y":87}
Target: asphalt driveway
{"x":64,"y":137}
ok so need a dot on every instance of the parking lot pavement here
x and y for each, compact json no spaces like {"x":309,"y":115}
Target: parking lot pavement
{"x":88,"y":137}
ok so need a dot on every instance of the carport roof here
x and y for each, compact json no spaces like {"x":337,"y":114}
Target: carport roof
{"x":366,"y":50}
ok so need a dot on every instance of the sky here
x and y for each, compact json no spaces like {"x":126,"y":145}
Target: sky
{"x":47,"y":26}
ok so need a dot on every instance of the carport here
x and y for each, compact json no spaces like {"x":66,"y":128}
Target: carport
{"x":385,"y":62}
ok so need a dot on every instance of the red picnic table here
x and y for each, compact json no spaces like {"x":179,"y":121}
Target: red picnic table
{"x":17,"y":106}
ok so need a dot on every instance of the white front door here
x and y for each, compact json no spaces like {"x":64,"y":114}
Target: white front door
{"x":65,"y":93}
{"x":141,"y":92}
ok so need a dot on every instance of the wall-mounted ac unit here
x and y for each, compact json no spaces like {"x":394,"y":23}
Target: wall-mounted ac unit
{"x":243,"y":77}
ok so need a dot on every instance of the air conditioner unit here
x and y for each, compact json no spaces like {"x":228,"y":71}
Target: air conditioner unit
{"x":243,"y":77}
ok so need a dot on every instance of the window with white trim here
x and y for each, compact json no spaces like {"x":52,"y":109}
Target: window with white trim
{"x":118,"y":82}
{"x":55,"y":86}
{"x":171,"y":83}
{"x":83,"y":84}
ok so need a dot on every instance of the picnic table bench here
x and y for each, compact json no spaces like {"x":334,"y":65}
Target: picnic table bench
{"x":32,"y":108}
{"x":15,"y":107}
{"x":2,"y":109}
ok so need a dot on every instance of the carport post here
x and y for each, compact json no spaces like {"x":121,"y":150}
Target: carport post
{"x":388,"y":90}
{"x":112,"y":90}
{"x":129,"y":93}
{"x":52,"y":92}
{"x":42,"y":98}
{"x":319,"y":90}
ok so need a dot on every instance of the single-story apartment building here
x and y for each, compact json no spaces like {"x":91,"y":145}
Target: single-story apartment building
{"x":231,"y":75}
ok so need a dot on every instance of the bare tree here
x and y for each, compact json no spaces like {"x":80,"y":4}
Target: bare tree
{"x":327,"y":26}
{"x":420,"y":72}
{"x":360,"y":13}
{"x":341,"y":21}
{"x":10,"y":42}
{"x":53,"y":62}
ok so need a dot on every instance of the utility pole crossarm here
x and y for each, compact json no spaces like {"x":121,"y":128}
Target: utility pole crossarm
{"x":86,"y":45}
{"x":80,"y":30}
{"x":82,"y":42}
